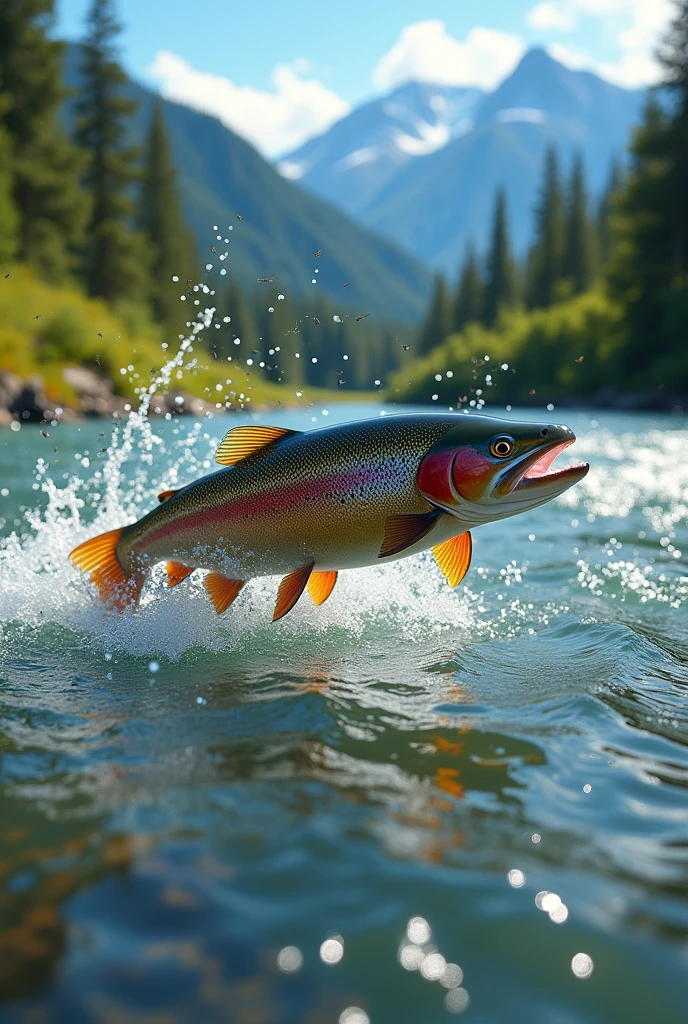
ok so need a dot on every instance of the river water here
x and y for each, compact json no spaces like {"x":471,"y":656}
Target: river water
{"x":184,"y":798}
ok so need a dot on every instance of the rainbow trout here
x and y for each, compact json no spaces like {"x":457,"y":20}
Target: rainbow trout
{"x":306,"y":505}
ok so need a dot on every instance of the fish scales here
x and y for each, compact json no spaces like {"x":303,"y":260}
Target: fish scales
{"x":320,"y":496}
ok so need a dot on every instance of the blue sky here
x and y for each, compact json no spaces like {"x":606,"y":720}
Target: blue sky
{"x":278,"y":73}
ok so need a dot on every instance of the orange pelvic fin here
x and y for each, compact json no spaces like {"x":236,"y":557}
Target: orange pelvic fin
{"x":221,"y":590}
{"x":290,"y":590}
{"x":321,"y":585}
{"x":98,"y":556}
{"x":454,"y":557}
{"x":240,"y":442}
{"x":403,"y":531}
{"x":176,"y":572}
{"x":164,"y":495}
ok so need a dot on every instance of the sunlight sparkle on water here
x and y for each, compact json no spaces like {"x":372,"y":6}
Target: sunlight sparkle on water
{"x":516,"y":878}
{"x":290,"y":959}
{"x":433,"y":966}
{"x":582,"y":965}
{"x":457,"y":1000}
{"x":354,"y":1015}
{"x":559,"y":914}
{"x":452,"y":976}
{"x":418,"y":930}
{"x":332,"y":950}
{"x":411,"y":956}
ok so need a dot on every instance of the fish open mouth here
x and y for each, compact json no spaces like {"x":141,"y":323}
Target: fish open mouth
{"x":537,"y":471}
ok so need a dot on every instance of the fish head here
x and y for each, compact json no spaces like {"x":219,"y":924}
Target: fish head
{"x":485,"y":469}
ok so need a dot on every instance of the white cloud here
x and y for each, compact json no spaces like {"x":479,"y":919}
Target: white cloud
{"x":635,"y":26}
{"x":274,"y":122}
{"x":547,"y":16}
{"x":425,"y":52}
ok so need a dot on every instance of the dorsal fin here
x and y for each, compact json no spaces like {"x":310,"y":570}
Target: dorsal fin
{"x":222,"y":590}
{"x":321,"y":585}
{"x":164,"y":495}
{"x":290,"y":590}
{"x":240,"y":442}
{"x":403,"y":531}
{"x":176,"y":572}
{"x":454,"y":557}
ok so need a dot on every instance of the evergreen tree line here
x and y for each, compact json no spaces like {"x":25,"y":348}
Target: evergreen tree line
{"x":570,"y":249}
{"x":334,"y":349}
{"x":87,"y":206}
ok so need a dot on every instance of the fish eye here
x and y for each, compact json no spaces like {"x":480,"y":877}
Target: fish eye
{"x":501,"y":446}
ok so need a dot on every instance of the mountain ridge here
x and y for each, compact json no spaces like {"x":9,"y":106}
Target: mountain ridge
{"x":221,"y":175}
{"x":433,"y":203}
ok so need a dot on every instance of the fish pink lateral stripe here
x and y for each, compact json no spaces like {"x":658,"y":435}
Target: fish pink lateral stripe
{"x":257,"y":504}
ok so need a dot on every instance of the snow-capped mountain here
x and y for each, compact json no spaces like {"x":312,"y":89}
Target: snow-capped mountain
{"x":352,"y":161}
{"x":422,"y":165}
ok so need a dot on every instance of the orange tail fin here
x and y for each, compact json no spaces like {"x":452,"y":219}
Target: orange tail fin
{"x":99,"y":557}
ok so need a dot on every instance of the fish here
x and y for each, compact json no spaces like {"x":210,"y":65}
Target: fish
{"x":306,"y":505}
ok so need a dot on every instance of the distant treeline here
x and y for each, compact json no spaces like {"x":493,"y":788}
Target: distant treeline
{"x":601,"y":304}
{"x":570,"y":250}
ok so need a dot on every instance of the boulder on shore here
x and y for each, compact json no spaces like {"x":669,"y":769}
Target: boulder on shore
{"x":26,"y":400}
{"x":94,"y":393}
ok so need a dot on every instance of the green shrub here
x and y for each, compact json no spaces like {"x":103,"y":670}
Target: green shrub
{"x":573,"y":348}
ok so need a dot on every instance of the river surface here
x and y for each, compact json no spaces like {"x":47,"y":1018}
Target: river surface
{"x":403,"y":771}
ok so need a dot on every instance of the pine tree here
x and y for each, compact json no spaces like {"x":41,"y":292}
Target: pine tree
{"x":115,"y":257}
{"x":468,"y":303}
{"x":499,"y":280}
{"x":171,"y":245}
{"x":438,"y":320}
{"x":44,"y":164}
{"x":9,"y":215}
{"x":648,"y":273}
{"x":576,"y":266}
{"x":242,"y":325}
{"x":604,"y":212}
{"x":544,"y":270}
{"x":673,"y":56}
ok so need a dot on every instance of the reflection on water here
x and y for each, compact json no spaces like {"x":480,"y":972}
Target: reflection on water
{"x":506,"y":764}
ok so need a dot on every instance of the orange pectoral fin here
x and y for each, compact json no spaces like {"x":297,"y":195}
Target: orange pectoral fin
{"x":176,"y":572}
{"x":290,"y":590}
{"x":164,"y":495}
{"x":454,"y":557}
{"x":403,"y":531}
{"x":321,"y":585}
{"x":99,"y":557}
{"x":221,"y":590}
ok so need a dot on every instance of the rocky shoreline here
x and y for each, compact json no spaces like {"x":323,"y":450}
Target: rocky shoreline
{"x":26,"y":400}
